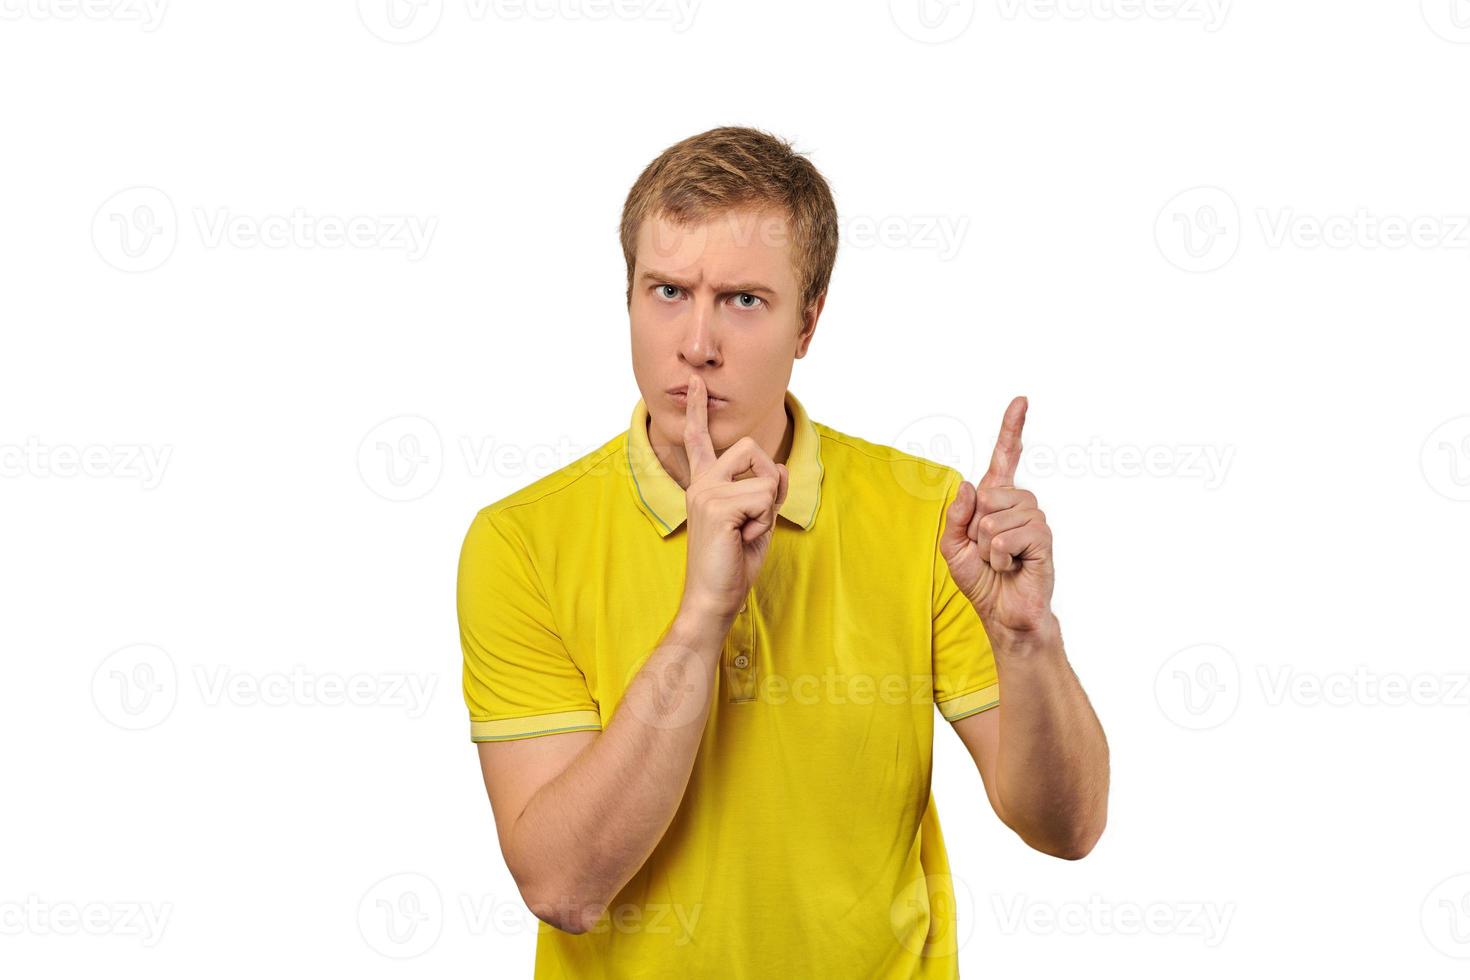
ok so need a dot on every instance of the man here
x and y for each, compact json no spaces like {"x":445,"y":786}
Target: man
{"x":702,"y":662}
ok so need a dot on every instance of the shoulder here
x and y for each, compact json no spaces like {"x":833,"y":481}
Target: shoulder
{"x":861,"y":466}
{"x":559,"y":496}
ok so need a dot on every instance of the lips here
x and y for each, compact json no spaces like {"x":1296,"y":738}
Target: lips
{"x":681,"y":391}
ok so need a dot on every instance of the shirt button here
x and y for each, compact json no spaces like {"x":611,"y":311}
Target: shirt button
{"x":742,"y":661}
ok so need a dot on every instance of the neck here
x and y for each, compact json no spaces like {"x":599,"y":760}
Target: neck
{"x":774,"y":435}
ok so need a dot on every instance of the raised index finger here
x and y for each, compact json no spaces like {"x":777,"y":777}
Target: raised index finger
{"x":697,"y":444}
{"x":1007,"y":454}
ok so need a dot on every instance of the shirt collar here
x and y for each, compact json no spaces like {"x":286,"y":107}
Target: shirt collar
{"x":662,"y":499}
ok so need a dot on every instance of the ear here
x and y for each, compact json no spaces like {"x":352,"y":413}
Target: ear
{"x":809,"y":324}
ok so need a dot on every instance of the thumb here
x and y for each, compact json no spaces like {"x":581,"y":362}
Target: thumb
{"x":957,"y":519}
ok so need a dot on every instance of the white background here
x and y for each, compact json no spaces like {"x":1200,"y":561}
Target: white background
{"x":1187,"y":230}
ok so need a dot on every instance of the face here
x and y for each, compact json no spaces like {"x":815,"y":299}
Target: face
{"x":719,"y":300}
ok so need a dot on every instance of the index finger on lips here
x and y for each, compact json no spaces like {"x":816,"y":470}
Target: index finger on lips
{"x":698,"y":446}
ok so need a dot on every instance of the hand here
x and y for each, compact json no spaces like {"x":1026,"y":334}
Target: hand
{"x":731,"y":503}
{"x":996,"y":541}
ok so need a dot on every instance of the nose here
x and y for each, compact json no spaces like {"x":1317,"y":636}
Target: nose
{"x":699,"y":346}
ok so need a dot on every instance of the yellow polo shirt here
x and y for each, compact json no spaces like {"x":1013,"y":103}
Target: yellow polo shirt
{"x":807,"y":844}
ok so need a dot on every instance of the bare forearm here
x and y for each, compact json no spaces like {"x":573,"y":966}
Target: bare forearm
{"x":594,"y":825}
{"x":1052,"y":766}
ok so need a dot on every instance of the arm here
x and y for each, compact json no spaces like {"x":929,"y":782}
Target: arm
{"x":578,"y":813}
{"x":1042,"y":753}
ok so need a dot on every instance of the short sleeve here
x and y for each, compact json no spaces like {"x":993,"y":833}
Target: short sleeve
{"x":519,"y":679}
{"x":965,"y":679}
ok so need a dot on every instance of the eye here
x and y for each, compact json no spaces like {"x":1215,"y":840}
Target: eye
{"x":755,"y":301}
{"x":664,"y":295}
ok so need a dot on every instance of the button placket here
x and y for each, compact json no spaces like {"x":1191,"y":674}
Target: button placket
{"x":740,"y":653}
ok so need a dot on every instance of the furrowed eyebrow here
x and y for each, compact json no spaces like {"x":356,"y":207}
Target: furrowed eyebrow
{"x":739,"y":287}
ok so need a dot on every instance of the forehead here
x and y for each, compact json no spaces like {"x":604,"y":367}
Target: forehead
{"x":742,"y":242}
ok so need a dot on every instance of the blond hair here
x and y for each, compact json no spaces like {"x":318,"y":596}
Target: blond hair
{"x":732,"y":167}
